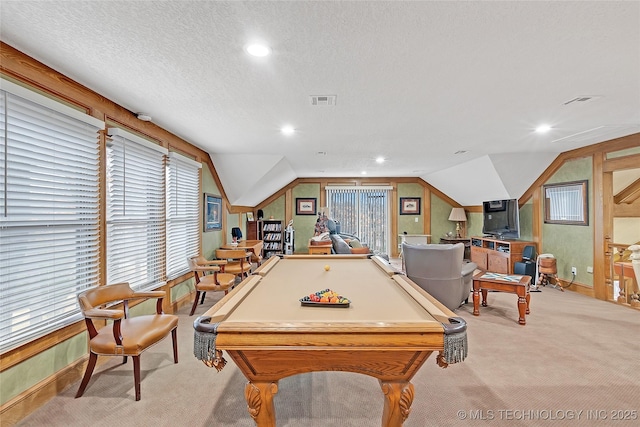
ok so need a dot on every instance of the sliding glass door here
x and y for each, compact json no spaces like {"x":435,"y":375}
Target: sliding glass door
{"x":363,"y":211}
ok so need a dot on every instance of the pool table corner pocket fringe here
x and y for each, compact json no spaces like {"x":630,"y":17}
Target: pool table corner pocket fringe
{"x":204,"y":343}
{"x":455,"y":342}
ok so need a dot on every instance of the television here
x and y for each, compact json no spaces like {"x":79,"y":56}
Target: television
{"x":501,"y":218}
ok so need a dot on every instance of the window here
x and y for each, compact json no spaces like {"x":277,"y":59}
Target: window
{"x":363,"y":211}
{"x":135,"y":211}
{"x":566,"y":203}
{"x":49,"y":206}
{"x":183,"y":213}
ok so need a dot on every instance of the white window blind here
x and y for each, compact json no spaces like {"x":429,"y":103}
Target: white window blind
{"x":135,"y":211}
{"x":183,"y":213}
{"x":363,"y":211}
{"x":565,"y":203}
{"x":49,"y":203}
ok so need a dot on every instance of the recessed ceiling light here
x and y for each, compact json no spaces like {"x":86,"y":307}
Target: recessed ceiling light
{"x":257,"y":49}
{"x":380,"y":159}
{"x":287,"y":130}
{"x":363,"y":173}
{"x":543,"y":128}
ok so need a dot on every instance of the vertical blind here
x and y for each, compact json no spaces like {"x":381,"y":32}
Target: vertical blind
{"x":49,"y":201}
{"x":363,"y":211}
{"x":183,"y":213}
{"x":135,"y":211}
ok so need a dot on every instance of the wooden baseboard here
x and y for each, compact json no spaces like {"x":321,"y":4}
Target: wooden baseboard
{"x":33,"y":398}
{"x":184,"y":300}
{"x":579,"y":288}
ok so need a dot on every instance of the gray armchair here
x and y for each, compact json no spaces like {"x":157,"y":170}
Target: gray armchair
{"x":440,"y":270}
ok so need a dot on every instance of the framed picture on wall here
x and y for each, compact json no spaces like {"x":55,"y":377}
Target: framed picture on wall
{"x":305,"y":206}
{"x":249,"y":216}
{"x":409,"y":205}
{"x":212,"y":212}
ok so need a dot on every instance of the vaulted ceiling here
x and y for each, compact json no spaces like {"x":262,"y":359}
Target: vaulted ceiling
{"x":447,"y":91}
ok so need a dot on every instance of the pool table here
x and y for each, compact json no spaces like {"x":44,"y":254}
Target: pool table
{"x":388,"y":331}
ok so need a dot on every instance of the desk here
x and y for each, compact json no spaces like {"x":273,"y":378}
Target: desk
{"x":254,"y":246}
{"x":513,"y":283}
{"x":464,"y":240}
{"x":320,"y":249}
{"x":413,"y":239}
{"x":390,"y":329}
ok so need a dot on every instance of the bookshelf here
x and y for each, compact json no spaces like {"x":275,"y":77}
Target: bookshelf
{"x":272,"y":234}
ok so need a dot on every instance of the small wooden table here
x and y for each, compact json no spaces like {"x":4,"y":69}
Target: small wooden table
{"x":513,"y":283}
{"x":320,"y":249}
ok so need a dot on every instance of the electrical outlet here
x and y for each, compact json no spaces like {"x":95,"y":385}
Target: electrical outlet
{"x":574,"y":271}
{"x":590,"y":269}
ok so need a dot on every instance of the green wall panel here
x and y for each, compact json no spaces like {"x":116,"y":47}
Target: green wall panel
{"x":440,"y":224}
{"x":474,"y":224}
{"x":304,"y":225}
{"x":408,"y":223}
{"x":27,"y":374}
{"x":526,"y":221}
{"x":572,"y":245}
{"x":211,"y":240}
{"x":275,"y":209}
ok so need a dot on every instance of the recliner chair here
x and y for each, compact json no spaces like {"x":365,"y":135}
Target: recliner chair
{"x":441,"y":271}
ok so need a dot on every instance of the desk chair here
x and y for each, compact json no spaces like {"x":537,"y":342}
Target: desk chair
{"x":124,"y":336}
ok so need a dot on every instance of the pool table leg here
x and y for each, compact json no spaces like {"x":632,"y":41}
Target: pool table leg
{"x":398,"y":397}
{"x":259,"y":396}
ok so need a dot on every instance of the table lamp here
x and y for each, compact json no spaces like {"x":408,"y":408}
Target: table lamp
{"x":458,"y":215}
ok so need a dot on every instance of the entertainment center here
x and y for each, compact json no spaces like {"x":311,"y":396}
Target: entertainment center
{"x":496,"y":255}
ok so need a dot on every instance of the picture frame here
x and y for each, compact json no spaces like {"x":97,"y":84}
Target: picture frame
{"x":410,"y":205}
{"x":212,"y":212}
{"x":250,"y":216}
{"x":306,"y":206}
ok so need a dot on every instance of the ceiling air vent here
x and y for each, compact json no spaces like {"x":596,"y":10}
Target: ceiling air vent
{"x":583,"y":99}
{"x":323,"y":100}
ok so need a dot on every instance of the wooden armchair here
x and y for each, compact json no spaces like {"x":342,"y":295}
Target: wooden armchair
{"x":218,"y":281}
{"x":124,"y":336}
{"x":238,"y":261}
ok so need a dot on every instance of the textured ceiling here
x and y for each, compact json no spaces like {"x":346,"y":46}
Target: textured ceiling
{"x":415,"y":82}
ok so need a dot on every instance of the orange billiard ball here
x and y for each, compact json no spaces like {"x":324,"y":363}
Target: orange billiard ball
{"x":327,"y":267}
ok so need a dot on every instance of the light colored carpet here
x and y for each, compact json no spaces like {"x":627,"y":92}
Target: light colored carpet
{"x":575,"y":356}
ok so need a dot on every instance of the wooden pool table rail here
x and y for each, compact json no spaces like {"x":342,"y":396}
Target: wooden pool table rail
{"x":391,"y":351}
